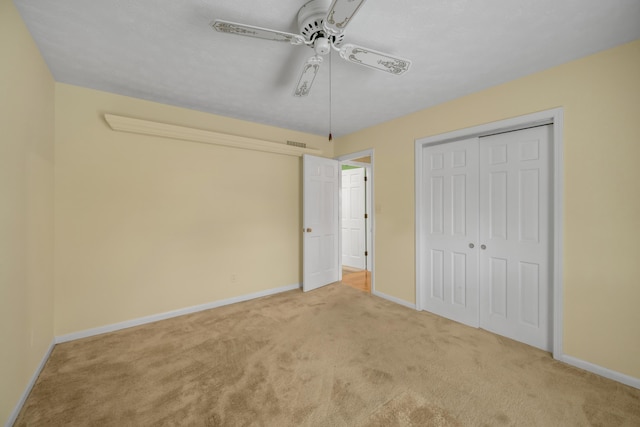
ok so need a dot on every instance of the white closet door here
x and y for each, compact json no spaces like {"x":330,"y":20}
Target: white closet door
{"x":450,"y":230}
{"x":515,"y":218}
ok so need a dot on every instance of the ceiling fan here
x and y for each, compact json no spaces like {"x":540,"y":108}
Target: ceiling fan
{"x":321,"y":29}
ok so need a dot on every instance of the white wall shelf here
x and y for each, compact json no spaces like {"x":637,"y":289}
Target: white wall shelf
{"x":146,"y":127}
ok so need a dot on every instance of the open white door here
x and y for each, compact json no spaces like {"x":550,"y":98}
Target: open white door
{"x":321,"y":232}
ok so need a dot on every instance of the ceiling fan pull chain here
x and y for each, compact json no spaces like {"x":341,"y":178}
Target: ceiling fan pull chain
{"x":330,"y":90}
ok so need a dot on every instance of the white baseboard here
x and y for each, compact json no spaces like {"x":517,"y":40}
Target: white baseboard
{"x":587,"y":366}
{"x":27,"y":390}
{"x":129,"y":324}
{"x":169,"y":314}
{"x":570,"y":360}
{"x":599,"y":370}
{"x":394,"y":299}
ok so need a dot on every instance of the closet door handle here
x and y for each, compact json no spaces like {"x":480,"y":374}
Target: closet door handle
{"x":471,"y":245}
{"x":483,"y":247}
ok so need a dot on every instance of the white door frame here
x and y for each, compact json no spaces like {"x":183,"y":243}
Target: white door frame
{"x":554,"y":116}
{"x":348,"y":159}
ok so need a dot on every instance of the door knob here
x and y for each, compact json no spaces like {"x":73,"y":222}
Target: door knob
{"x":309,"y":230}
{"x":483,"y":247}
{"x":471,"y":245}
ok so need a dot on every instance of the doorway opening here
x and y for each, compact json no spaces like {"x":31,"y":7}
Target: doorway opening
{"x":356,"y":220}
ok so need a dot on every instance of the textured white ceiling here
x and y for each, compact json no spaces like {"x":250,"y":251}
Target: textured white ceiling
{"x":165,"y":51}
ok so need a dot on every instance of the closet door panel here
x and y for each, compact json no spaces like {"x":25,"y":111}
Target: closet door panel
{"x":514,"y":218}
{"x":450,"y":225}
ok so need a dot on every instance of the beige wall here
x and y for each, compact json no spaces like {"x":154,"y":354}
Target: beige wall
{"x":146,"y":225}
{"x":26,"y":208}
{"x":601,"y":99}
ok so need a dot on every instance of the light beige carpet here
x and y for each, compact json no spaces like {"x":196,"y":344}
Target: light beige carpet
{"x":331,"y":357}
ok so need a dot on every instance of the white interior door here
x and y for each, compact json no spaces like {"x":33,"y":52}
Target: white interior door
{"x":514,"y":235}
{"x":321,"y":233}
{"x":450,"y":230}
{"x":353,"y":223}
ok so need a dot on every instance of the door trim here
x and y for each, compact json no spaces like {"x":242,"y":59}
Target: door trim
{"x":347,"y":159}
{"x":555,"y":116}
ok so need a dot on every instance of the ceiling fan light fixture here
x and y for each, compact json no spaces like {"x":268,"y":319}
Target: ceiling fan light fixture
{"x":322,"y":46}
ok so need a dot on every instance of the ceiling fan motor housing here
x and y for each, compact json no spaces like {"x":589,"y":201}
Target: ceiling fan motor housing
{"x":310,"y":22}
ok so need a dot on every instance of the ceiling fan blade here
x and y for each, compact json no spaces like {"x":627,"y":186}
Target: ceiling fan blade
{"x":340,"y":14}
{"x":308,"y":74}
{"x":257,"y":32}
{"x":371,"y":58}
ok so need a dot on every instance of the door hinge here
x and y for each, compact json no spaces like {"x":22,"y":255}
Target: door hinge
{"x":366,"y":179}
{"x":366,"y":253}
{"x":366,"y":216}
